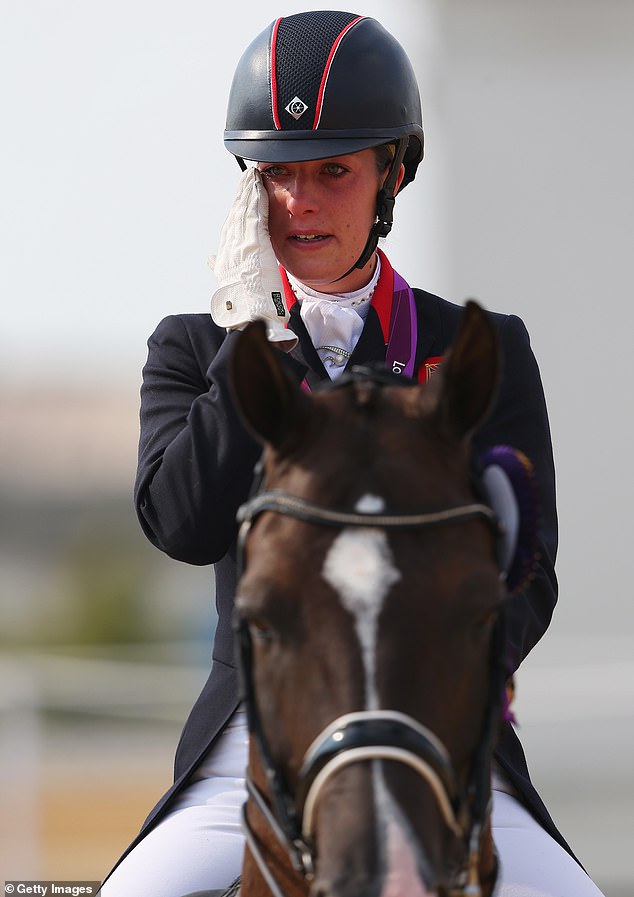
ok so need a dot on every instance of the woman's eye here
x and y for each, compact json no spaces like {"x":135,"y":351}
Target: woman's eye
{"x":272,"y":171}
{"x":335,"y":170}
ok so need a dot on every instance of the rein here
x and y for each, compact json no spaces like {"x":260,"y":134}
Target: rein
{"x":364,"y":735}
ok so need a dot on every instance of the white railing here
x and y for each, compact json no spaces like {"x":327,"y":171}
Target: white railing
{"x":34,"y":684}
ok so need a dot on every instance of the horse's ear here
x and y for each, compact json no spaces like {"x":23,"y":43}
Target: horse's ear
{"x":470,"y":374}
{"x":270,"y":402}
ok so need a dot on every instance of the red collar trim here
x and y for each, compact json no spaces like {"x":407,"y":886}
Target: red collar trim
{"x":383,"y":295}
{"x":381,"y":300}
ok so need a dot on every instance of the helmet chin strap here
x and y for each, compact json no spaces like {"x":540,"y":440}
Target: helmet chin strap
{"x":384,"y":209}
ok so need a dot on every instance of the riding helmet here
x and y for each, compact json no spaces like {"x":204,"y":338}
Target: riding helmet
{"x":320,"y":84}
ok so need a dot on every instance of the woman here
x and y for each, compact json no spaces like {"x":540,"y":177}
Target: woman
{"x":326,"y":104}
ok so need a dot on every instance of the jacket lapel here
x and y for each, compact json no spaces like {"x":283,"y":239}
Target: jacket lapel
{"x":304,"y":351}
{"x":370,"y":346}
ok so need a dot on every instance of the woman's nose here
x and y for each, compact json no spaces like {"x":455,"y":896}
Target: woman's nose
{"x":301,"y":196}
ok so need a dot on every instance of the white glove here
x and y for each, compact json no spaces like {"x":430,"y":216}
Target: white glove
{"x":249,"y":284}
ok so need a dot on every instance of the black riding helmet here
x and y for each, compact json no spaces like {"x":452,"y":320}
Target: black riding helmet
{"x":327,"y":83}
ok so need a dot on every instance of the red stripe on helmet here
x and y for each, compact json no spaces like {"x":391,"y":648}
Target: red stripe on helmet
{"x":327,"y":67}
{"x":276,"y":118}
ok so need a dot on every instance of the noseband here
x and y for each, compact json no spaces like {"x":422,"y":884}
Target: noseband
{"x":366,"y":735}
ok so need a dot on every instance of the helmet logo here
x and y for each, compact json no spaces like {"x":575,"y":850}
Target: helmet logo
{"x":296,"y":108}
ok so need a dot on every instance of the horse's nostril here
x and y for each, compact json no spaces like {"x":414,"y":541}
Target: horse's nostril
{"x":352,"y":885}
{"x":319,"y":889}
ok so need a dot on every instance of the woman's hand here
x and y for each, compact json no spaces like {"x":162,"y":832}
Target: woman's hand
{"x":249,"y":284}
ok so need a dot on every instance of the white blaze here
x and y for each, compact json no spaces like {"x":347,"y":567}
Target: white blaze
{"x":401,"y":875}
{"x":360,"y":567}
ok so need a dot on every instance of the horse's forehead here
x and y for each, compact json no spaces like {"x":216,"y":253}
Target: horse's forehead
{"x":369,"y":417}
{"x":366,"y":398}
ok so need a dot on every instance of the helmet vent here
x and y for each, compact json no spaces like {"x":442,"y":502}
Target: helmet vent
{"x":301,"y":52}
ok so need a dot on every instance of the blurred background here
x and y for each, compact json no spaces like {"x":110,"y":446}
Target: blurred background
{"x":113,"y":186}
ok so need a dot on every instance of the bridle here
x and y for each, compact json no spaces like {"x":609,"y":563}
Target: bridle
{"x":367,"y":735}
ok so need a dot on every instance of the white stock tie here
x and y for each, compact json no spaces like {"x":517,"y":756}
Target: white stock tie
{"x":334,"y":321}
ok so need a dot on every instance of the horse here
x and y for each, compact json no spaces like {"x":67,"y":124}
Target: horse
{"x":369,"y":620}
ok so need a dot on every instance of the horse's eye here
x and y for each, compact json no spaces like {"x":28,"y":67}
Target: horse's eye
{"x":490,"y":615}
{"x":489,"y":618}
{"x":261,"y":631}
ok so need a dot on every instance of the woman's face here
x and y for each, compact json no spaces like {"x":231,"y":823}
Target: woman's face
{"x":320,"y":215}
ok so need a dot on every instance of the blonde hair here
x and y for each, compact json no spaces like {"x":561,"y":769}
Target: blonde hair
{"x":384,"y":154}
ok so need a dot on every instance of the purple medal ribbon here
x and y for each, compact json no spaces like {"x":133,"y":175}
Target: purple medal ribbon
{"x":401,"y":346}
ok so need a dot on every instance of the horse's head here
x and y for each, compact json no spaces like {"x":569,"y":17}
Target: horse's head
{"x":368,"y":605}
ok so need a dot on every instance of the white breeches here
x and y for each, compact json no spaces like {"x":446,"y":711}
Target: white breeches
{"x":199,"y":844}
